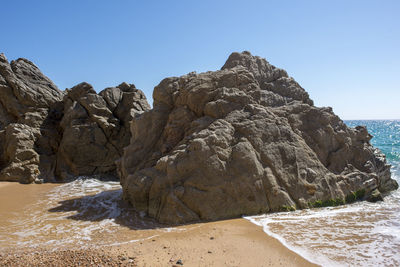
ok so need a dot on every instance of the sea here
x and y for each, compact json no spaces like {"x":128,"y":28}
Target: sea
{"x":359,"y":234}
{"x":89,"y":212}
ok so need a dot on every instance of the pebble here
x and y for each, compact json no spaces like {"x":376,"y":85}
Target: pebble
{"x":63,"y":258}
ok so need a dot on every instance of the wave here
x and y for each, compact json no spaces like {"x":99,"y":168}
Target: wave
{"x":362,"y":233}
{"x":84,"y":213}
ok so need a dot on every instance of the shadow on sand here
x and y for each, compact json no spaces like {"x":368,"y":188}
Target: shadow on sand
{"x":106,"y":205}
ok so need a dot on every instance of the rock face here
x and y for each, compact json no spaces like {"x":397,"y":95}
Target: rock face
{"x":30,"y":105}
{"x":244,"y":140}
{"x":96,"y":128}
{"x":49,"y":135}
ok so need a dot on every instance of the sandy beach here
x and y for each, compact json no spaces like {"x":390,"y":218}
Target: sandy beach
{"x":3,"y":184}
{"x":224,"y":243}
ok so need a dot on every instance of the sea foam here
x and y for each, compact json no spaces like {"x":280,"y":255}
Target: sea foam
{"x":363,"y":233}
{"x":84,"y":213}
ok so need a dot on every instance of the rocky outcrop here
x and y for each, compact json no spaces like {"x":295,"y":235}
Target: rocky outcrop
{"x":96,"y":128}
{"x":244,"y":140}
{"x":50,"y":135}
{"x":30,"y":106}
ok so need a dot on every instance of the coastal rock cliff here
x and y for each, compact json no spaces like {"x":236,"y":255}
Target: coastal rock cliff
{"x":50,"y":135}
{"x":244,"y":140}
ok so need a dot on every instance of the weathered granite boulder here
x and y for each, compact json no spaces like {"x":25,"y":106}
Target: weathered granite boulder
{"x":96,"y":128}
{"x":50,"y":135}
{"x":30,"y":106}
{"x":244,"y":140}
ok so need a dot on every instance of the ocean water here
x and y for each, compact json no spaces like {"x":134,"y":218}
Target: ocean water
{"x":360,"y":234}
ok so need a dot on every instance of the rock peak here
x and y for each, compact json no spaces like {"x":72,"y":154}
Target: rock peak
{"x":281,"y":88}
{"x":24,"y":60}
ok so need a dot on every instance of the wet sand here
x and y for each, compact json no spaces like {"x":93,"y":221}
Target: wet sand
{"x":3,"y":184}
{"x":225,"y":243}
{"x":15,"y":196}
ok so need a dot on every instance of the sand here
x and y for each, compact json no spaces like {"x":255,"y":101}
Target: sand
{"x":14,"y":196}
{"x":225,"y":243}
{"x":235,"y":242}
{"x":3,"y":184}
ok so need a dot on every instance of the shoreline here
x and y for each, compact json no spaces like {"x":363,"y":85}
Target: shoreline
{"x":234,"y":242}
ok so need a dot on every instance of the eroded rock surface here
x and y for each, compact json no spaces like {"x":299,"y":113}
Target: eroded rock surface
{"x":48,"y":135}
{"x":30,"y":106}
{"x":96,"y":128}
{"x":244,"y":140}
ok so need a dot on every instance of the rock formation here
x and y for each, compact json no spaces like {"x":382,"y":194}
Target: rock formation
{"x":30,"y":105}
{"x":244,"y":140}
{"x":50,"y":135}
{"x":95,"y":128}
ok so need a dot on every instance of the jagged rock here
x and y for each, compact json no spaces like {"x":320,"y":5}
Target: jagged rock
{"x":244,"y":140}
{"x":30,"y":105}
{"x":48,"y":135}
{"x":277,"y":88}
{"x":23,"y":159}
{"x":96,"y":128}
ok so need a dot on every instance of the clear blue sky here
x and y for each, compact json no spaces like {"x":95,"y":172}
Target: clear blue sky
{"x":344,"y":53}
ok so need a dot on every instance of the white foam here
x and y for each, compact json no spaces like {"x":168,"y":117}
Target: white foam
{"x":363,"y":233}
{"x":131,"y":241}
{"x":360,"y":234}
{"x":80,"y":210}
{"x":316,"y":259}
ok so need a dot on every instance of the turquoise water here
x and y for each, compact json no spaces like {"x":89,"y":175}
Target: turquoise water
{"x":360,"y":234}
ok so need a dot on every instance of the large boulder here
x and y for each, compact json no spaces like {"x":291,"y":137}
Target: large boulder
{"x":50,"y":135}
{"x":244,"y":140}
{"x":30,"y":107}
{"x":96,"y":128}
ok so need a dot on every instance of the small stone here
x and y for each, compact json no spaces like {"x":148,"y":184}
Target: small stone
{"x":179,"y":262}
{"x":39,"y":181}
{"x":375,"y":196}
